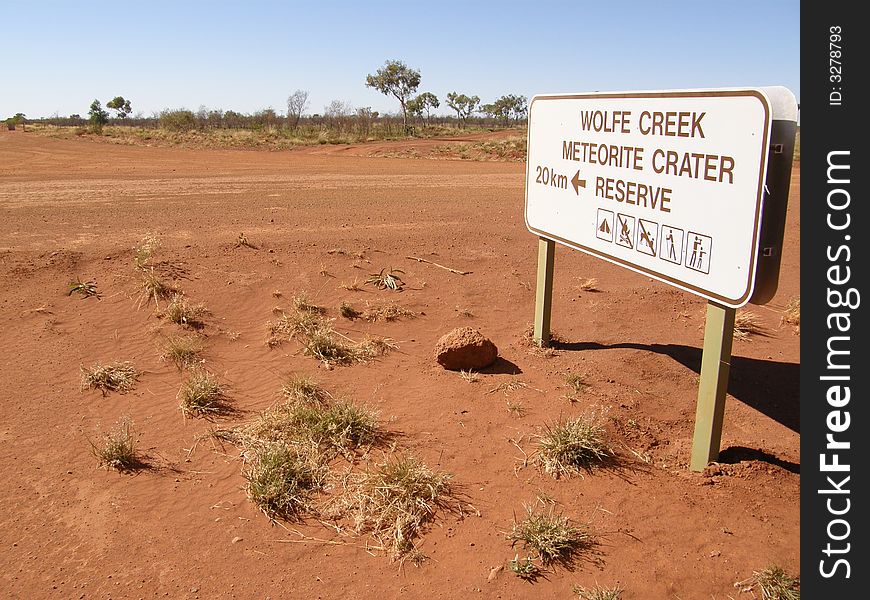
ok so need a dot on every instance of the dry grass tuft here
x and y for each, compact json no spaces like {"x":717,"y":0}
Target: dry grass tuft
{"x":321,"y":341}
{"x":353,"y":286}
{"x":396,"y":499}
{"x":388,"y":312}
{"x":320,"y":430}
{"x":349,"y":312}
{"x":792,"y":314}
{"x":303,"y":304}
{"x":153,"y":287}
{"x":470,"y":376}
{"x":324,"y":345}
{"x":118,"y":377}
{"x":746,"y":324}
{"x":117,"y":449}
{"x":202,"y":396}
{"x":242,"y":242}
{"x":281,"y":480}
{"x":184,"y":313}
{"x":292,"y":325}
{"x":587,"y":284}
{"x":301,"y":388}
{"x":517,"y":409}
{"x":552,"y":537}
{"x":774,"y":584}
{"x":184,"y":350}
{"x":568,"y":447}
{"x":144,"y":251}
{"x":373,"y":347}
{"x":577,"y":384}
{"x":598,"y":592}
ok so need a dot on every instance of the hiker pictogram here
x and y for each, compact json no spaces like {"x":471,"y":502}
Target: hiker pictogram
{"x":698,"y":252}
{"x":672,"y":244}
{"x":625,"y":231}
{"x":604,"y":225}
{"x":647,"y":235}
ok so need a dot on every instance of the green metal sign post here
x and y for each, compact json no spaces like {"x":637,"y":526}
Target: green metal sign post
{"x":713,"y":387}
{"x":544,"y":291}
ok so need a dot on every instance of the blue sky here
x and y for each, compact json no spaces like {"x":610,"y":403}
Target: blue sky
{"x":246,"y":56}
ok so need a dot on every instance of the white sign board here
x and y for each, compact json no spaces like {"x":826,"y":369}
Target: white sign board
{"x":666,"y":183}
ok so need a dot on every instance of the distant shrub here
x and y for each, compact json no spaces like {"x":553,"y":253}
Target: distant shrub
{"x":178,"y":120}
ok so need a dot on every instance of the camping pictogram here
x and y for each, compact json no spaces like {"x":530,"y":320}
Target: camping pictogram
{"x":625,"y":231}
{"x":647,"y":235}
{"x":698,"y":252}
{"x":604,"y":225}
{"x":672,"y":244}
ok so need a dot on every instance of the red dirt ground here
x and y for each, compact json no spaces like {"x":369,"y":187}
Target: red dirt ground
{"x":69,"y":529}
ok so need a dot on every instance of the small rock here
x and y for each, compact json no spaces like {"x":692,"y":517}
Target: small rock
{"x":465,"y":348}
{"x":237,"y":539}
{"x":712,"y":470}
{"x":494,"y":572}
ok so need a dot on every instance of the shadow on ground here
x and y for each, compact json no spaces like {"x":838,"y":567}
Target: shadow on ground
{"x":769,"y":387}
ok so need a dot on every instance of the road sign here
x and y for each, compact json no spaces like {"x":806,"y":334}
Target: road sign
{"x":677,"y":177}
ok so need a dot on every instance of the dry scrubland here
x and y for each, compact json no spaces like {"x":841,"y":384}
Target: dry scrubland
{"x":222,"y":385}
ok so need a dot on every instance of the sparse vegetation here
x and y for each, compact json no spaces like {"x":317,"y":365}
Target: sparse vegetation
{"x":118,"y":377}
{"x":85,"y":288}
{"x":349,"y":312}
{"x":353,"y":286}
{"x":517,"y":409}
{"x":144,"y":251}
{"x":182,"y":312}
{"x":243,"y":242}
{"x":320,"y":429}
{"x":792,"y":314}
{"x":117,"y":449}
{"x":154,"y":287}
{"x":551,"y":537}
{"x":568,"y":447}
{"x":587,"y":284}
{"x":388,"y":312}
{"x":598,"y":592}
{"x":576,"y":383}
{"x":396,"y":499}
{"x":288,"y":326}
{"x":303,"y":304}
{"x":184,"y":350}
{"x":746,"y":324}
{"x":301,"y":388}
{"x":773,"y":583}
{"x":524,"y":568}
{"x":387,"y":279}
{"x":202,"y":396}
{"x":470,"y":376}
{"x":320,"y":340}
{"x":280,"y":481}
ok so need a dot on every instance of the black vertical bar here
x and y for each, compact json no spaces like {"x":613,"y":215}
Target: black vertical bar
{"x":833,"y":163}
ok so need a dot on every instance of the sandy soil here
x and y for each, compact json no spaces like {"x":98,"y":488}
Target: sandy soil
{"x":184,"y":527}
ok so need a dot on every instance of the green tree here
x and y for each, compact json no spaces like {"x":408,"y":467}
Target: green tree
{"x":396,"y":79}
{"x":120,"y":106}
{"x":464,"y":106}
{"x":425,"y":103}
{"x":98,"y":116}
{"x":507,"y":108}
{"x":20,"y":119}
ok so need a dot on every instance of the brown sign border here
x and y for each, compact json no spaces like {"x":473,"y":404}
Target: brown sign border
{"x":759,"y":201}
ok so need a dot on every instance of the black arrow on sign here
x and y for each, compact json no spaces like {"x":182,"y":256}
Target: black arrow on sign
{"x":578,"y":183}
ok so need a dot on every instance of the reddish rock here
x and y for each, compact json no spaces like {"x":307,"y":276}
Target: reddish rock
{"x":465,"y":348}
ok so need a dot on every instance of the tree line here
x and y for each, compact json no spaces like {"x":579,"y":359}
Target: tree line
{"x":394,"y":78}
